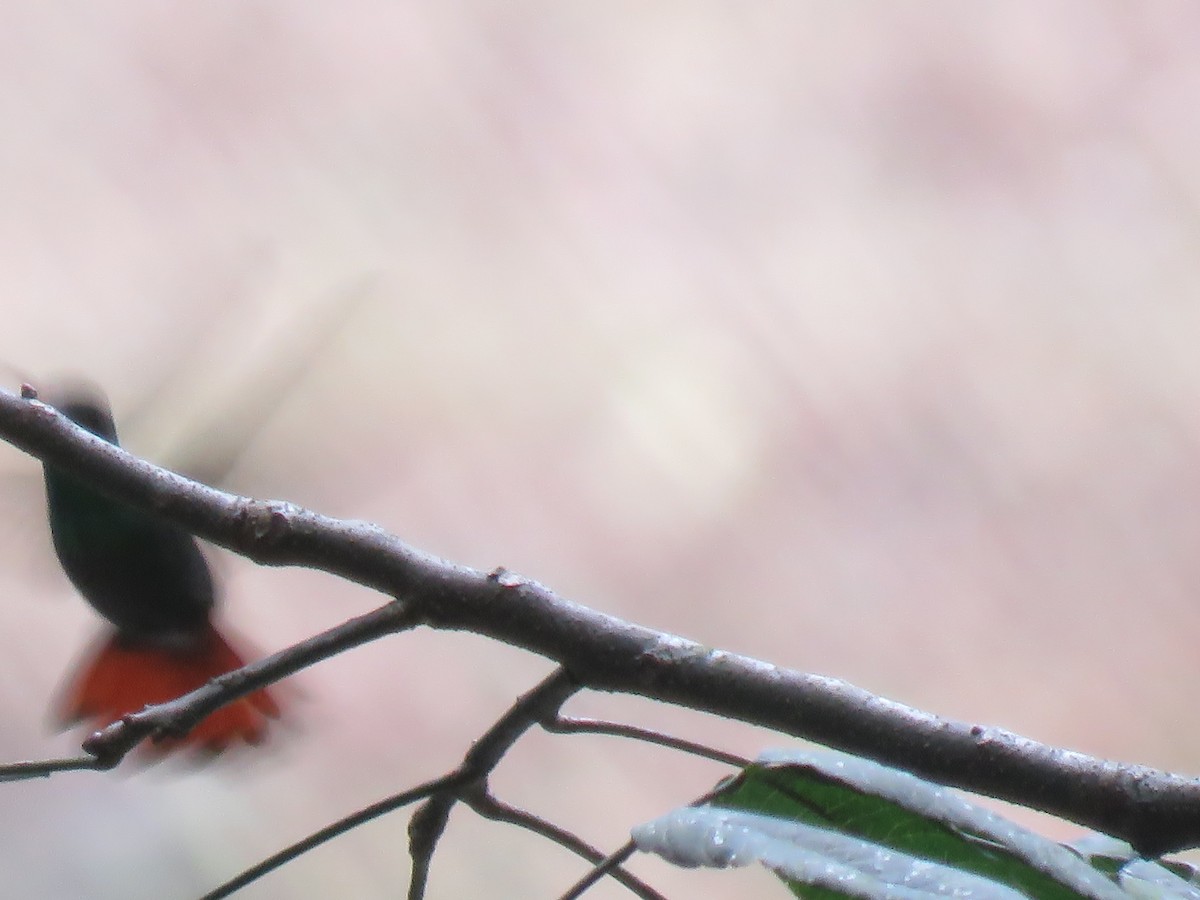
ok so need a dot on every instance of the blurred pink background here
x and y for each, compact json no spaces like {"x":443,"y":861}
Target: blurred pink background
{"x":858,"y":338}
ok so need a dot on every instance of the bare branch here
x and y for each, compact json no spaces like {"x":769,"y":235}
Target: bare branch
{"x":428,"y":823}
{"x":565,"y":725}
{"x":1153,"y":810}
{"x":489,"y":807}
{"x":23,"y":771}
{"x":468,"y":784}
{"x":605,"y":867}
{"x":176,"y":718}
{"x":329,"y":832}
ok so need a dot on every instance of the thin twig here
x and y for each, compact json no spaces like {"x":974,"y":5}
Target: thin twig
{"x":572,"y":725}
{"x":176,"y":717}
{"x":328,"y":833}
{"x":610,"y":864}
{"x":486,"y":805}
{"x":443,"y":792}
{"x":23,"y":771}
{"x":604,"y":867}
{"x":429,"y":822}
{"x":425,"y":830}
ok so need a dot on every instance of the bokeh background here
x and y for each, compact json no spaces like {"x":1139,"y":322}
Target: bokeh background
{"x":857,"y":337}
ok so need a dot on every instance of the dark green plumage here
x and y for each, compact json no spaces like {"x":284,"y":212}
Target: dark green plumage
{"x":144,"y":575}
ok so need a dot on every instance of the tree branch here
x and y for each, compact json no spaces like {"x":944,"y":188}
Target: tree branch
{"x":489,"y":807}
{"x":604,"y":867}
{"x":428,"y":822}
{"x":24,"y":771}
{"x":1155,"y":811}
{"x":329,"y":832}
{"x":177,"y":717}
{"x":566,"y":725}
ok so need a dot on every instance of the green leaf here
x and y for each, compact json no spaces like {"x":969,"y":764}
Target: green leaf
{"x":834,"y":826}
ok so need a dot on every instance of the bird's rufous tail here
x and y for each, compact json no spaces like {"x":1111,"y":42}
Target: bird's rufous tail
{"x":122,"y":675}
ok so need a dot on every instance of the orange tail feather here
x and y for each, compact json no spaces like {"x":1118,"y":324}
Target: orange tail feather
{"x":123,"y":676}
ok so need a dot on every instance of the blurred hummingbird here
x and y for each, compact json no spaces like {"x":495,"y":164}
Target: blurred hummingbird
{"x":149,"y":579}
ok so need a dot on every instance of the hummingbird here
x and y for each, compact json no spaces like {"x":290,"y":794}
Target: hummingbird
{"x":150,"y":581}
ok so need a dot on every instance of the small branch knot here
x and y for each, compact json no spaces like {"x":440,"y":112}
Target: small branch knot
{"x":263,"y":524}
